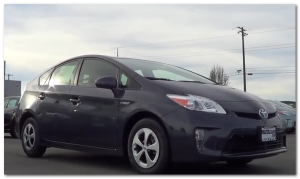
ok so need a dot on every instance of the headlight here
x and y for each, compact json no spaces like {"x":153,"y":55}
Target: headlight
{"x":284,"y":113}
{"x":197,"y":103}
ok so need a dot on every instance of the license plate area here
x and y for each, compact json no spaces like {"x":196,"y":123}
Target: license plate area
{"x":268,"y":133}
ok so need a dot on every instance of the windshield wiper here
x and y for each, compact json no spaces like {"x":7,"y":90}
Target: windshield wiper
{"x":192,"y":81}
{"x":153,"y":78}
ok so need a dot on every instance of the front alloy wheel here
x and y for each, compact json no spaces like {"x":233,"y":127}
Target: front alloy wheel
{"x":148,"y":147}
{"x":145,"y":148}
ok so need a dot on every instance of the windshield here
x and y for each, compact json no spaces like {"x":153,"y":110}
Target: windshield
{"x":162,"y":71}
{"x":279,"y":104}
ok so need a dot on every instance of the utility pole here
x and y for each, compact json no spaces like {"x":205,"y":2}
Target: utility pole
{"x":8,"y":75}
{"x":4,"y":69}
{"x":243,"y":31}
{"x":117,"y":51}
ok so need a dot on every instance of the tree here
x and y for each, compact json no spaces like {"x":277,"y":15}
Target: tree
{"x":218,"y":75}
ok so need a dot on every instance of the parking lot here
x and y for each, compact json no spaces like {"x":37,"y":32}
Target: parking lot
{"x":65,"y":162}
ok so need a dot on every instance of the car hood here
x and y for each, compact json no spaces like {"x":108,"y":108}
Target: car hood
{"x":211,"y":91}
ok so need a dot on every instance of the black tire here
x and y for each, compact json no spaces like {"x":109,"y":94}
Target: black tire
{"x":239,"y":162}
{"x":163,"y":158}
{"x":37,"y":150}
{"x":13,"y":131}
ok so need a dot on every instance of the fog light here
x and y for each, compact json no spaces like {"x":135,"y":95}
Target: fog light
{"x":199,"y":136}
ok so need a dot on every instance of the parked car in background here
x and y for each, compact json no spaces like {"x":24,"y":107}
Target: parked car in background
{"x":10,"y":106}
{"x":150,"y":112}
{"x":287,"y":114}
{"x":291,"y":103}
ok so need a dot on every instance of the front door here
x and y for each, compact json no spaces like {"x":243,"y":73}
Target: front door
{"x":94,"y":111}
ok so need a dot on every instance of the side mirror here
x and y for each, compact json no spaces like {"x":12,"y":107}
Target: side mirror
{"x":106,"y":82}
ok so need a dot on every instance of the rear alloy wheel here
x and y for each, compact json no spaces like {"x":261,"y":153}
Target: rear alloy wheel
{"x":148,"y":147}
{"x":31,"y":139}
{"x":239,"y":162}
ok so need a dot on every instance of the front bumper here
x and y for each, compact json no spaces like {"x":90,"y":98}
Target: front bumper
{"x":226,"y":137}
{"x":254,"y":155}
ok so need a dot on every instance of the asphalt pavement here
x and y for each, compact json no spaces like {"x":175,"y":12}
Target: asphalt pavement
{"x":66,"y":162}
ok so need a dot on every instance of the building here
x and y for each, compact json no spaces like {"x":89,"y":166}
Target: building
{"x":12,"y":88}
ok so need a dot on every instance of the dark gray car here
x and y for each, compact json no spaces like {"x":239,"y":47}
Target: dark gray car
{"x":152,"y":113}
{"x":287,"y":114}
{"x":10,"y":106}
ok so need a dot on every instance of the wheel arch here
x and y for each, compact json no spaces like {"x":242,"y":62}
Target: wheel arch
{"x":133,"y":119}
{"x":26,"y":114}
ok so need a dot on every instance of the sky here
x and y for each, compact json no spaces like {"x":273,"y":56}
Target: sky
{"x":195,"y":37}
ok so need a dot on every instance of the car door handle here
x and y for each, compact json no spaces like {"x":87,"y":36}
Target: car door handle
{"x":75,"y":100}
{"x":42,"y":96}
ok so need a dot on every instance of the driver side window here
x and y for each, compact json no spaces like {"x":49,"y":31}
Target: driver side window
{"x":92,"y":69}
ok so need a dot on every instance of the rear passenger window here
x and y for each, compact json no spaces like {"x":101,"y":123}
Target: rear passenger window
{"x":63,"y":75}
{"x":44,"y":77}
{"x":12,"y":103}
{"x":93,"y":69}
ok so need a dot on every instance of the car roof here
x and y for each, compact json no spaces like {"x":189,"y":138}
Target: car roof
{"x":82,"y":56}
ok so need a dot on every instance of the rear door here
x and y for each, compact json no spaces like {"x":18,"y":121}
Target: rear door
{"x":94,"y":111}
{"x":53,"y":101}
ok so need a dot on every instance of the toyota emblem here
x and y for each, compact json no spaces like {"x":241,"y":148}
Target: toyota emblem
{"x":263,"y":114}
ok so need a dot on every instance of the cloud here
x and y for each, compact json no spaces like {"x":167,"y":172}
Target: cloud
{"x":39,"y":36}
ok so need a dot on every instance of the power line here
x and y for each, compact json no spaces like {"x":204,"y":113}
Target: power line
{"x":223,"y":53}
{"x":216,"y":51}
{"x":270,"y":67}
{"x":264,"y":76}
{"x":271,"y":70}
{"x":273,"y":30}
{"x":279,"y":72}
{"x":179,"y":41}
{"x":274,"y":72}
{"x":259,"y":71}
{"x":109,"y":49}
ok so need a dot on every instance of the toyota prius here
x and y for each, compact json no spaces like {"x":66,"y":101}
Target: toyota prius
{"x":149,"y":112}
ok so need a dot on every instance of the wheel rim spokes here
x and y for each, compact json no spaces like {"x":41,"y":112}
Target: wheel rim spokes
{"x":145,"y":148}
{"x":29,"y":136}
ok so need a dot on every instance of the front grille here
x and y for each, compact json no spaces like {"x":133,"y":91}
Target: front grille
{"x":253,"y":115}
{"x":240,"y":143}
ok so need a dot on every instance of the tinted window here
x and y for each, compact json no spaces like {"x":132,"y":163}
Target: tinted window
{"x":162,"y":70}
{"x":169,"y":75}
{"x":63,"y":75}
{"x":92,"y":69}
{"x":139,"y":72}
{"x":12,"y":103}
{"x":127,"y":82}
{"x":44,"y":77}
